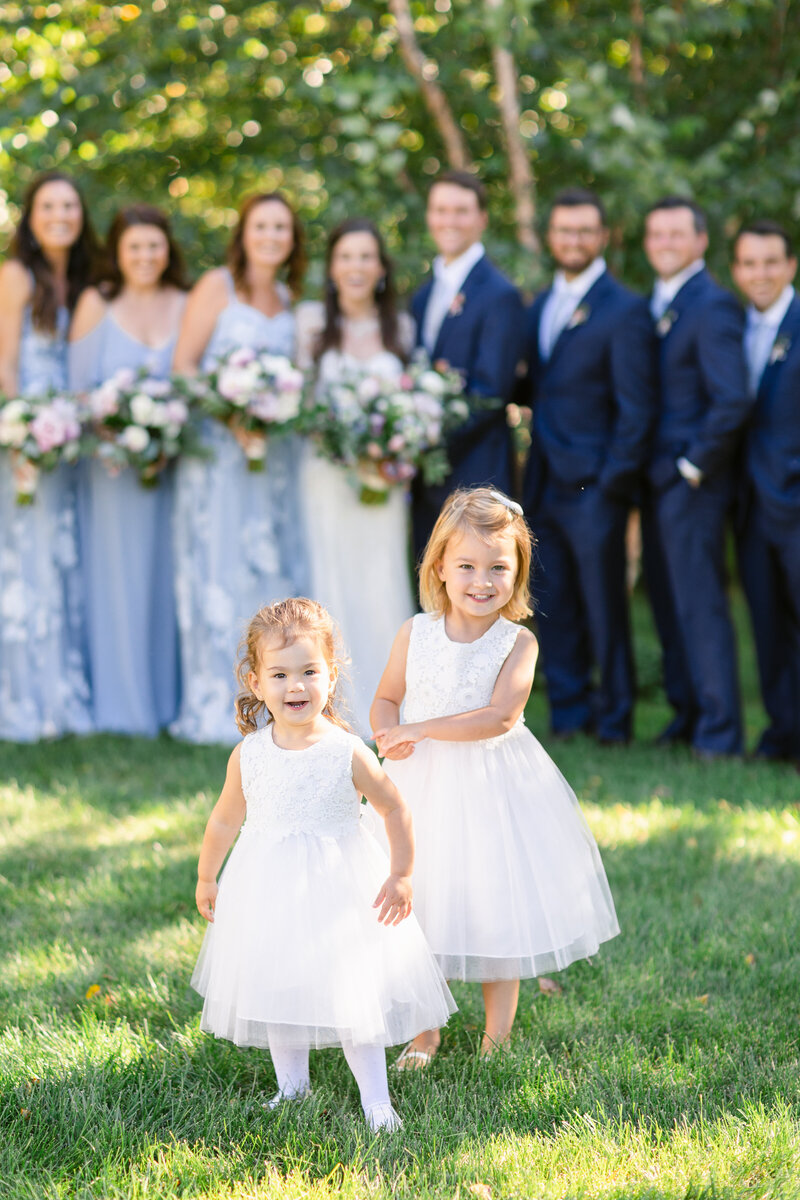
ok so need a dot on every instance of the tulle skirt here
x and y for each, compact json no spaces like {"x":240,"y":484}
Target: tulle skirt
{"x":296,"y":950}
{"x":508,"y":882}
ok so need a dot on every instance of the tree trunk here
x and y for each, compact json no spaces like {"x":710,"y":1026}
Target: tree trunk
{"x":521,"y":178}
{"x":424,"y":70}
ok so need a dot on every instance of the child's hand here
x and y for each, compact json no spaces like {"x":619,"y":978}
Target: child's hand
{"x":206,"y":897}
{"x":394,"y":900}
{"x":390,"y":739}
{"x":404,"y":750}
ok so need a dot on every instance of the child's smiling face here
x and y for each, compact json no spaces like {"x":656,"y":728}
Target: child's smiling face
{"x":294,"y":680}
{"x":478,"y":576}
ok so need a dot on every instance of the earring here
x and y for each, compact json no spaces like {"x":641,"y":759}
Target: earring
{"x":380,"y":286}
{"x":331,"y":288}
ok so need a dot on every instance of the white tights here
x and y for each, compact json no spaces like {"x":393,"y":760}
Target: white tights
{"x":368,"y":1064}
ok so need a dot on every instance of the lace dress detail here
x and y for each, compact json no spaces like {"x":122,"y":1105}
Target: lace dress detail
{"x":358,"y":553}
{"x":300,"y":791}
{"x":44,"y":688}
{"x":445,"y":677}
{"x":508,"y":881}
{"x":238,"y":539}
{"x":296,"y":951}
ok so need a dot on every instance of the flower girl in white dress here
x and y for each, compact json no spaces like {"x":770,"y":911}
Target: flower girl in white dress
{"x":312,"y":942}
{"x":508,"y":880}
{"x":358,"y":553}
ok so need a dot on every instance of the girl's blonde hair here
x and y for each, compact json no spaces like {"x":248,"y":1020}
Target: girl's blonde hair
{"x":283,"y":623}
{"x":489,"y":514}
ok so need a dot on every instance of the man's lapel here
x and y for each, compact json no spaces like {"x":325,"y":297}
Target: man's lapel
{"x":786,"y":341}
{"x":583,"y":314}
{"x":454,"y":316}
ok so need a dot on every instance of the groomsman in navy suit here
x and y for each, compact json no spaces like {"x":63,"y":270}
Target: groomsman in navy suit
{"x":591,"y":356}
{"x":769,"y":534}
{"x":704,"y":404}
{"x":470,"y":315}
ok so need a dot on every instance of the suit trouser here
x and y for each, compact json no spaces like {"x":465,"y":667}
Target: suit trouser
{"x":683,"y":530}
{"x":769,"y":559}
{"x":582,"y":605}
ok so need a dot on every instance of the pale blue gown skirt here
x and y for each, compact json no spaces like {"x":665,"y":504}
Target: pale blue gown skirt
{"x":126,"y":537}
{"x":44,"y":690}
{"x":238,"y":541}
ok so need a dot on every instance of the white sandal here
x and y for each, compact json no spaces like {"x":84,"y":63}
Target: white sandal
{"x":412,"y":1059}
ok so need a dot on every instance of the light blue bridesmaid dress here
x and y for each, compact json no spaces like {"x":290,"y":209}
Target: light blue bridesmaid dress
{"x":126,"y":539}
{"x":43,"y":680}
{"x":238,"y":539}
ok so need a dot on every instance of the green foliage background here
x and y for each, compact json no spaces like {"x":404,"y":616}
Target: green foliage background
{"x":193,"y":105}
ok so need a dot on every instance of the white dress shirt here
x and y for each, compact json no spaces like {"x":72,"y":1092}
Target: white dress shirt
{"x":665,"y":290}
{"x":448,"y":279}
{"x":760,"y":333}
{"x":564,"y":299}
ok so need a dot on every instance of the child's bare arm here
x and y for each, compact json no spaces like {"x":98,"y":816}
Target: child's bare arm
{"x":385,"y":710}
{"x":509,"y":697}
{"x":221,"y":830}
{"x":394,"y":899}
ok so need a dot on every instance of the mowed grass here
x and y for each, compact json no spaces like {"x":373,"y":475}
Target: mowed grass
{"x":667,"y":1068}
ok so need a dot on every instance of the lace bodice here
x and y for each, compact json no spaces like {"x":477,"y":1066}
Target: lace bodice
{"x":337,"y":363}
{"x":445,"y":677}
{"x":300,"y":791}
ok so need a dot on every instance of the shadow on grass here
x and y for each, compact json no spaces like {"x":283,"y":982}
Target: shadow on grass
{"x":118,"y":775}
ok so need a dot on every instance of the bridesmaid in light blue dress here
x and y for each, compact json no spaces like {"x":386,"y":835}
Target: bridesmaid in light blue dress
{"x":126,"y":529}
{"x":44,"y":690}
{"x":238,"y":541}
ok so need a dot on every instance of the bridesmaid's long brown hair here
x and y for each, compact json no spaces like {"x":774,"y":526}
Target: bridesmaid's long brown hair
{"x":141,"y":214}
{"x":81,"y":265}
{"x":295,"y":264}
{"x":330,"y":337}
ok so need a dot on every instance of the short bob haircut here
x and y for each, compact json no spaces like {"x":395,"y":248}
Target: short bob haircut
{"x":488,"y":514}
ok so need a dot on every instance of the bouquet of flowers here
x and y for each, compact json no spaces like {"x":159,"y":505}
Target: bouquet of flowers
{"x":40,"y":434}
{"x":139,"y":422}
{"x":386,"y":430}
{"x":254,"y":394}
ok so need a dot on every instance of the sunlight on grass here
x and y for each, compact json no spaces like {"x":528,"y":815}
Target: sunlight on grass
{"x":668,"y":1068}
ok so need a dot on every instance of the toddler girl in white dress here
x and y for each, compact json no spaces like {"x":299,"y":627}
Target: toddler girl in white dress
{"x":311,"y":941}
{"x":508,"y":880}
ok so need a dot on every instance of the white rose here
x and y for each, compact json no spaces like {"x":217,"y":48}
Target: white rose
{"x":14,"y":411}
{"x":238,"y":383}
{"x":134,"y":439}
{"x":432,"y":382}
{"x":12,"y":433}
{"x":143,"y":409}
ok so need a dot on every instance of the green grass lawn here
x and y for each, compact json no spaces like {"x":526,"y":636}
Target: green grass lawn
{"x":667,"y":1068}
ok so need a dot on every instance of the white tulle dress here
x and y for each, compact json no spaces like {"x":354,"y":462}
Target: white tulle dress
{"x":508,"y":881}
{"x":296,"y":951}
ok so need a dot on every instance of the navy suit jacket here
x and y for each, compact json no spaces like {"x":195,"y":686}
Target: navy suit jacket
{"x":594,"y":399}
{"x":483,"y":340}
{"x":772,"y":447}
{"x":704,"y":400}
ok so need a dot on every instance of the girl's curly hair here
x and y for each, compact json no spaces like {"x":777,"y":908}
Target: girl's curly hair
{"x":282,"y":624}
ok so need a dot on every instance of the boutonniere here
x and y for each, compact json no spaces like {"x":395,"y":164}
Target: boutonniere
{"x":579,"y":317}
{"x":457,"y":306}
{"x":665,"y":323}
{"x":780,"y":349}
